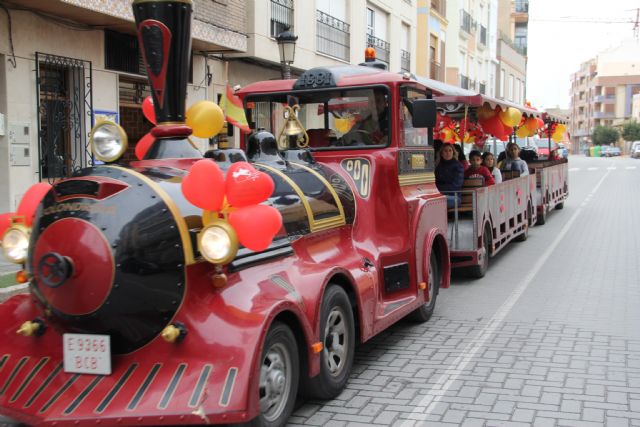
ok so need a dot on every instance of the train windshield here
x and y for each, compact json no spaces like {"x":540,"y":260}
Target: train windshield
{"x":333,"y":119}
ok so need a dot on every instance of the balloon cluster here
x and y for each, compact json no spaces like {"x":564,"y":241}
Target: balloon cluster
{"x":498,"y":122}
{"x":27,"y":207}
{"x":205,"y":118}
{"x":555,"y":130}
{"x":529,"y":126}
{"x":451,"y":131}
{"x":235,"y":199}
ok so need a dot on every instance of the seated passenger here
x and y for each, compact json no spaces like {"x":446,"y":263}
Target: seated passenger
{"x":461,"y":158}
{"x":513,"y":162}
{"x":477,"y":170}
{"x":449,"y":175}
{"x":489,"y":162}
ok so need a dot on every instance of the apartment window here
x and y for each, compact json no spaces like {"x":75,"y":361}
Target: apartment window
{"x":371,"y":21}
{"x":281,"y":16}
{"x":501,"y":89}
{"x":332,"y":36}
{"x":377,"y":33}
{"x":510,"y":88}
{"x":121,"y":53}
{"x":405,"y":55}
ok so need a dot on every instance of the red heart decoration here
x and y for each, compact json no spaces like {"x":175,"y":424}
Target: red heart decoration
{"x":247,"y":186}
{"x":204,"y":185}
{"x":143,"y":145}
{"x":256,"y":225}
{"x":31,"y":200}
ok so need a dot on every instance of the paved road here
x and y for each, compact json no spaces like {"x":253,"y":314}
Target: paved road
{"x":550,"y":337}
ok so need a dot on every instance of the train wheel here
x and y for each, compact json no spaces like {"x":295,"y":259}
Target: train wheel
{"x":279,"y":374}
{"x":337,"y":332}
{"x":542,"y":217}
{"x":560,"y":206}
{"x":479,"y":271}
{"x":425,"y":311}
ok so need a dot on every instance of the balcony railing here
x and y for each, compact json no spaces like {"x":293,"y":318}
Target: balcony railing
{"x":281,"y":16}
{"x":464,"y":81}
{"x":332,"y":36}
{"x":405,"y":61}
{"x":436,"y":71}
{"x":439,"y":6}
{"x":608,"y":99}
{"x":483,"y":35}
{"x":522,"y":50}
{"x":381,"y":47}
{"x":603,"y":115}
{"x":522,"y":6}
{"x":465,"y":21}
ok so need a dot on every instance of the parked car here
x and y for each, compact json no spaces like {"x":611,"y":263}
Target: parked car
{"x":610,"y":151}
{"x":563,"y":151}
{"x":543,"y":147}
{"x":635,"y":150}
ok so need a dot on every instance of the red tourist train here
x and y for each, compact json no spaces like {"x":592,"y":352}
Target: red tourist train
{"x":150,"y":304}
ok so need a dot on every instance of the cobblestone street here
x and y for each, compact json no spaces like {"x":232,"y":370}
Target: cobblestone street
{"x":548,"y":338}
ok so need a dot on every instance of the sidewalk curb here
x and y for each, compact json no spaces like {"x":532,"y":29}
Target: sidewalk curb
{"x":6,"y":293}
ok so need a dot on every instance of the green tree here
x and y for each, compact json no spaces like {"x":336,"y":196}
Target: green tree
{"x":604,"y":135}
{"x":631,"y":131}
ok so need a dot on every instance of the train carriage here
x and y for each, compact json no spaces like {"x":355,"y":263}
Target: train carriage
{"x":147,"y":308}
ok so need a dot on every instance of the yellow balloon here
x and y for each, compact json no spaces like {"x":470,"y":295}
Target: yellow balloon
{"x":522,"y":132}
{"x":561,"y":128}
{"x":205,"y":119}
{"x":557,"y":136}
{"x":511,"y":116}
{"x":343,"y":125}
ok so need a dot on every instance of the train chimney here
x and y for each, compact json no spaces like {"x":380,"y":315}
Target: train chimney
{"x":164,"y":36}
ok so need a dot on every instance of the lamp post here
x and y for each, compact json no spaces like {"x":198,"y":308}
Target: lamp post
{"x":287,"y":47}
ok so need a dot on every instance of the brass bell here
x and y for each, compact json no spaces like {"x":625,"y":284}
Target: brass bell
{"x":174,"y":332}
{"x":31,"y":327}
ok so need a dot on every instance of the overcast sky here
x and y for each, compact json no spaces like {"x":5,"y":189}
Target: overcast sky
{"x":558,"y":44}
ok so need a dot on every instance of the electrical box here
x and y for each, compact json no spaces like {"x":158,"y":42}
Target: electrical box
{"x":19,"y":144}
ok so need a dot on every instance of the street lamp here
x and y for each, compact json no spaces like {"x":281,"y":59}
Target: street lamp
{"x":287,"y":47}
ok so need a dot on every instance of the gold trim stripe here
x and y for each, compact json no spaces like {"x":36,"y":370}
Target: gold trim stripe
{"x":173,"y":208}
{"x":417,"y":178}
{"x":320,"y":225}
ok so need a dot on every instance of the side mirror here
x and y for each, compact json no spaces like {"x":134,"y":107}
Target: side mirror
{"x":423,"y":113}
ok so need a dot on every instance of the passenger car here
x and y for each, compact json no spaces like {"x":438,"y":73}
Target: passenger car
{"x":635,"y":150}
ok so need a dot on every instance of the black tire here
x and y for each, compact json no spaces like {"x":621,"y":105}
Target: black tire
{"x":279,"y":377}
{"x":542,"y":217}
{"x":425,"y":311}
{"x":560,"y":206}
{"x":478,"y":271}
{"x":337,"y":334}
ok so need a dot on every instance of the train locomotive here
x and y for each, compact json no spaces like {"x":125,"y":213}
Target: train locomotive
{"x":136,"y":315}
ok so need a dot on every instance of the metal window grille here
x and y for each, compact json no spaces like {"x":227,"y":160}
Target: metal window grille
{"x":465,"y":21}
{"x":464,"y":81}
{"x":522,"y":6}
{"x":483,"y":88}
{"x":281,"y":16}
{"x":405,"y":60}
{"x":65,"y":114}
{"x":121,"y":53}
{"x":381,"y":47}
{"x":332,"y":36}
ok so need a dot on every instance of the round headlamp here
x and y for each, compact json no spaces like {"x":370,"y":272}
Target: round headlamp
{"x":218,"y":242}
{"x":108,"y":141}
{"x":15,"y":243}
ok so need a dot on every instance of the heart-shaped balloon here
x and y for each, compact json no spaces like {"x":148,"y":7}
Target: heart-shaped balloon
{"x":256,"y":225}
{"x":148,"y":109}
{"x":31,"y":200}
{"x":247,"y":186}
{"x":143,"y":145}
{"x":204,"y":185}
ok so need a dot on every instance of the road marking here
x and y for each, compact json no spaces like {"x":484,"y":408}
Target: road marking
{"x":631,"y":167}
{"x":592,"y":169}
{"x":611,"y":168}
{"x":428,"y":404}
{"x":573,"y":169}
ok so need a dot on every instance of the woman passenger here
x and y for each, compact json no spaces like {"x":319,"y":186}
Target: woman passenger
{"x":513,"y":162}
{"x":490,"y":163}
{"x":449,"y":174}
{"x":461,"y":158}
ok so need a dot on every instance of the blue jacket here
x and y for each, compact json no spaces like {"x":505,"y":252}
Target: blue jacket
{"x":449,"y":175}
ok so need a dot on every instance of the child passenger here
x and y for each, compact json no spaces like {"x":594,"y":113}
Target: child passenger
{"x":489,"y":161}
{"x":513,"y":162}
{"x":477,"y":170}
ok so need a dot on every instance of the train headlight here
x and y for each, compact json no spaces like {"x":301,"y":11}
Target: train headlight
{"x":15,"y":243}
{"x":108,"y":141}
{"x":218,"y":242}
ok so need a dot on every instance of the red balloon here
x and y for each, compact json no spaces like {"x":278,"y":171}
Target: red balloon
{"x":493,"y":125}
{"x":540,"y":122}
{"x":148,"y":110}
{"x":204,"y":185}
{"x":143,"y":145}
{"x":5,"y":222}
{"x":247,"y":186}
{"x":31,"y":199}
{"x":256,"y":225}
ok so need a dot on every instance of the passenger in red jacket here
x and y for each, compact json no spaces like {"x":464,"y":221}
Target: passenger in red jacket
{"x":476,"y":170}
